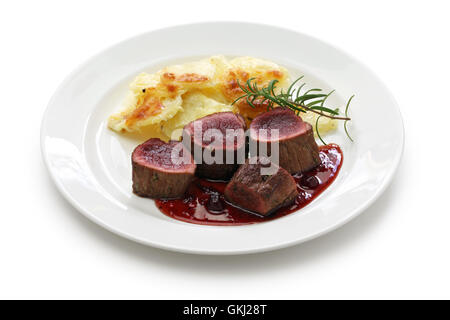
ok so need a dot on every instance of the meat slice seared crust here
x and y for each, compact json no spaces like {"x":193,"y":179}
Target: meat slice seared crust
{"x":262,"y":194}
{"x":232,"y":144}
{"x":298,"y":151}
{"x":156,"y":174}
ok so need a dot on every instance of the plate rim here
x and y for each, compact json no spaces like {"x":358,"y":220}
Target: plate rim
{"x":350,"y":216}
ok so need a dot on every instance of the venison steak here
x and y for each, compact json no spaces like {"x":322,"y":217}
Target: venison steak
{"x":232,"y":144}
{"x":156,"y":175}
{"x":262,"y":194}
{"x":298,"y":151}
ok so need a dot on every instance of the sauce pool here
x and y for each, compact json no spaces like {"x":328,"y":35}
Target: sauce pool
{"x":204,"y":202}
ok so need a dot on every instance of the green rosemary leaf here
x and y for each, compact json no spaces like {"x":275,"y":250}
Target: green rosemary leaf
{"x":346,"y":131}
{"x":255,"y":87}
{"x":299,"y":90}
{"x":272,"y":87}
{"x":238,"y":99}
{"x":306,"y":97}
{"x":312,"y":90}
{"x":348,"y":104}
{"x":323,"y":101}
{"x":317,"y":130}
{"x":301,"y":87}
{"x":292,"y":85}
{"x":346,"y":114}
{"x":325,"y":109}
{"x":249,"y":85}
{"x":241,"y":87}
{"x":250,"y":103}
{"x":313,"y":103}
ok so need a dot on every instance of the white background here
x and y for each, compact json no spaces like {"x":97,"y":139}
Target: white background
{"x":399,"y":248}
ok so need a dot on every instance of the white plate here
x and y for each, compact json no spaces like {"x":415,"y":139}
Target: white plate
{"x":91,"y":164}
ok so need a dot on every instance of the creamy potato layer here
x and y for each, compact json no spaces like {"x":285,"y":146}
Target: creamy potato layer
{"x":161,"y":104}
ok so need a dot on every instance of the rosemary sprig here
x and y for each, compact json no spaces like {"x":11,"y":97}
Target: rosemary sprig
{"x":317,"y":130}
{"x":312,"y":100}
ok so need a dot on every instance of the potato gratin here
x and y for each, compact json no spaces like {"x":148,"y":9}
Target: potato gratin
{"x":164,"y":102}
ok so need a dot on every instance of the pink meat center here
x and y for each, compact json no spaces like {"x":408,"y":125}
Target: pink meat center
{"x":159,"y":154}
{"x":219,"y":132}
{"x":283,"y":123}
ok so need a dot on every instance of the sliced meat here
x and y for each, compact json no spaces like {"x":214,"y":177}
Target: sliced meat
{"x":156,"y":174}
{"x":298,"y":151}
{"x":262,"y":194}
{"x":200,"y":137}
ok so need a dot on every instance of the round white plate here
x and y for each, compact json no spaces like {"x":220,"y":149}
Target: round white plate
{"x":91,"y":165}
